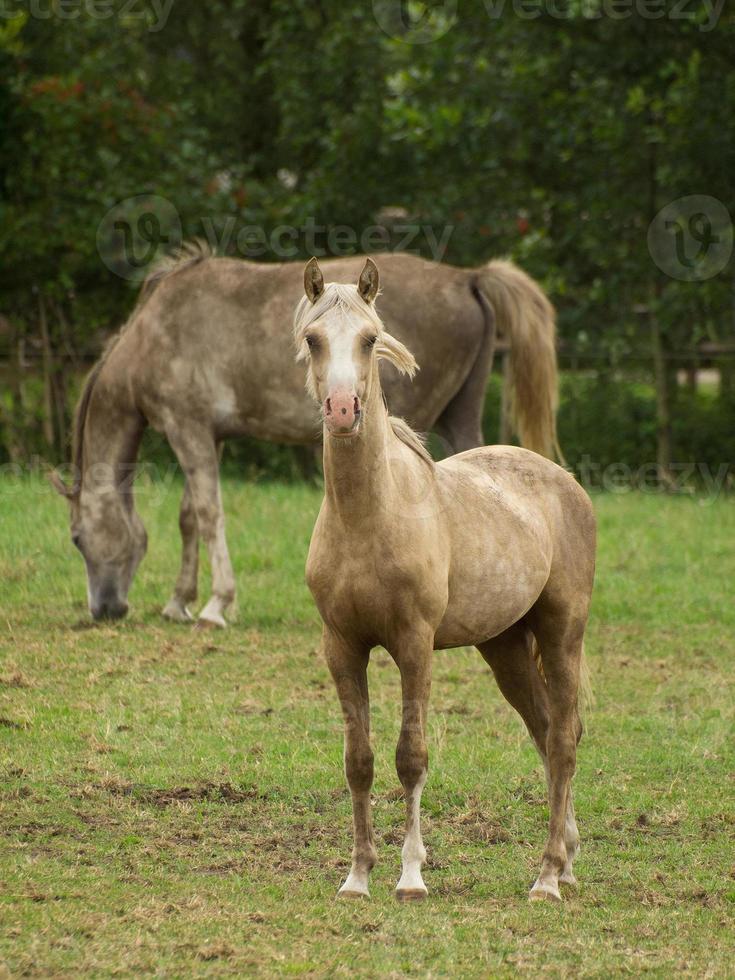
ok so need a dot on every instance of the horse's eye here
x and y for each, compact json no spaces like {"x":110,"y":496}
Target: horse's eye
{"x":312,"y":343}
{"x":370,"y":342}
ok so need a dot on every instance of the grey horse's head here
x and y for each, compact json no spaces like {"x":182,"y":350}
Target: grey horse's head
{"x":111,"y":539}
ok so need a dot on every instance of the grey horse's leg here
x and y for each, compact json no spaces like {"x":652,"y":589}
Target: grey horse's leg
{"x":185,"y":591}
{"x":461,"y":421}
{"x":197,"y":453}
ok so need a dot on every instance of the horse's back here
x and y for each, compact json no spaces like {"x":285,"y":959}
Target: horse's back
{"x":212,"y":338}
{"x":522,"y":482}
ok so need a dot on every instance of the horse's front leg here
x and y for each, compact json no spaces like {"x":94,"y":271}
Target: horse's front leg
{"x":185,"y":591}
{"x":348,"y":666}
{"x":197,"y":454}
{"x":413,"y":654}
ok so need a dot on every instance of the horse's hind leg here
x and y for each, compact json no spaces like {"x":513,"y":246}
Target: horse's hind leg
{"x":185,"y":591}
{"x":197,"y":453}
{"x":511,"y":657}
{"x":560,"y":634}
{"x":461,"y":421}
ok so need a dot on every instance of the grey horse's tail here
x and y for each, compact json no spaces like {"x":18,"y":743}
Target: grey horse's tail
{"x":526,"y":317}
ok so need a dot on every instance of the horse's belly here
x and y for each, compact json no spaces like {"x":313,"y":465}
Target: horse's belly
{"x":479,"y":610}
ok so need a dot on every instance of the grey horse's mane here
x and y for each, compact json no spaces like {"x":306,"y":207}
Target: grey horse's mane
{"x":187,"y":255}
{"x":346,"y":300}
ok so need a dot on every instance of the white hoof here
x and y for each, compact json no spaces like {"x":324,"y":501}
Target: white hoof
{"x":411,"y":894}
{"x":567,"y":878}
{"x":544,"y":893}
{"x":350,"y":893}
{"x":211,"y":616}
{"x":176,"y":611}
{"x":356,"y":886}
{"x":411,"y":887}
{"x":211,"y":622}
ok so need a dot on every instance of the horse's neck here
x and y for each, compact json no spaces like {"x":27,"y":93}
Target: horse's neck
{"x":111,"y":438}
{"x":357,"y":473}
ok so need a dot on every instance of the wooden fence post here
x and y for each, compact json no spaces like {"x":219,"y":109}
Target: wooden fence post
{"x":663,"y":401}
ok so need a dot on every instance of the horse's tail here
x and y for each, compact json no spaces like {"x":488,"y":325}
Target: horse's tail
{"x":526,"y":317}
{"x":586,"y":697}
{"x":586,"y":694}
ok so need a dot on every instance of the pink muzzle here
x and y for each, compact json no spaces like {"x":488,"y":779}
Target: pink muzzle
{"x":341,"y":411}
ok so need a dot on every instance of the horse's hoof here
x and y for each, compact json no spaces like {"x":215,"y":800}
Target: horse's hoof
{"x":211,"y":623}
{"x":176,"y":612}
{"x":411,"y":894}
{"x":352,"y":893}
{"x":567,"y":878}
{"x":544,"y":893}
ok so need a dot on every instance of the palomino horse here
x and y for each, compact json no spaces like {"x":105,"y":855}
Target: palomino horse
{"x":494,"y":548}
{"x":201,"y":360}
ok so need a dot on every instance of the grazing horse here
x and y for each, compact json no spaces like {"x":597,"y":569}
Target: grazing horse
{"x":201,"y":360}
{"x":493,"y":548}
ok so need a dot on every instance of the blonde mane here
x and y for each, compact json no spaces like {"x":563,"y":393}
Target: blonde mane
{"x":403,"y":431}
{"x":345,"y":300}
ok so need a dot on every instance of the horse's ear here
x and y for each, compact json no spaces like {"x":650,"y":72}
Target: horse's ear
{"x":313,"y":280}
{"x":390,"y":349}
{"x":369,"y":283}
{"x":59,"y":486}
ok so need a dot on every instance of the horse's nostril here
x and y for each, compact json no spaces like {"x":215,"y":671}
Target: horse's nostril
{"x":344,"y":411}
{"x":357,"y":405}
{"x":329,"y":406}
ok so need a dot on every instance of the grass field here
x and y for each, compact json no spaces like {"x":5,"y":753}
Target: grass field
{"x":172,"y":801}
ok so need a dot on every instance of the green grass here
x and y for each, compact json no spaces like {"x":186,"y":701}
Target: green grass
{"x":172,"y":802}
